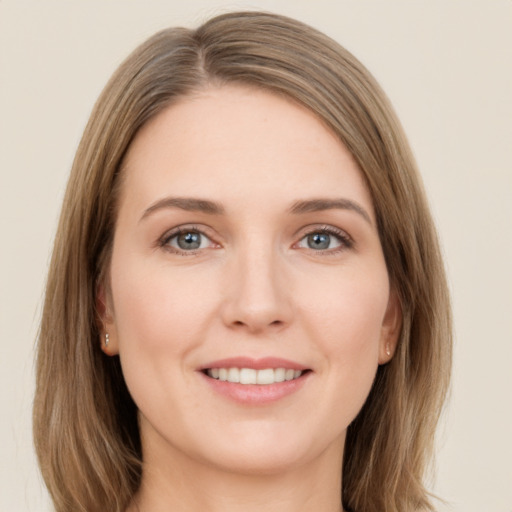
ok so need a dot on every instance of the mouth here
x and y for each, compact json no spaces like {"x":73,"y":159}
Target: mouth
{"x":251,"y":376}
{"x":255,"y":381}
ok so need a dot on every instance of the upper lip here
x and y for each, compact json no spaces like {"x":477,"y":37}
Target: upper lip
{"x":256,"y":364}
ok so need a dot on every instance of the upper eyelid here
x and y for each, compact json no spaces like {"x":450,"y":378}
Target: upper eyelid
{"x":324,"y":228}
{"x":184,"y":228}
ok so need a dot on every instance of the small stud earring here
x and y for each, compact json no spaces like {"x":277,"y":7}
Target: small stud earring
{"x":388,"y":350}
{"x":107,"y":339}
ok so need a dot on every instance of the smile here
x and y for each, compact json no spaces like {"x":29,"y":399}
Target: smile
{"x":264,"y":376}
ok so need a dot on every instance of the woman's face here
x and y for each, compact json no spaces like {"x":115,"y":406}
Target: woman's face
{"x":246,"y":249}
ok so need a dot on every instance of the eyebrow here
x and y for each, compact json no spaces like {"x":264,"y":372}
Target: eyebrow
{"x":189,"y":204}
{"x":192,"y":204}
{"x":318,"y":205}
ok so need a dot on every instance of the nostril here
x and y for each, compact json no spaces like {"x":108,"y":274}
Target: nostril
{"x":257,"y":326}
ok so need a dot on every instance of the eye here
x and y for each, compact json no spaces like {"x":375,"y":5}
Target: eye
{"x":186,"y":240}
{"x":325,"y":239}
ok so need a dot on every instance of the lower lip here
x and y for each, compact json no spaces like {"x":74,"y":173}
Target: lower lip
{"x":254,"y":394}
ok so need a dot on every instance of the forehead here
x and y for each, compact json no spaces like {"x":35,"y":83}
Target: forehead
{"x":237,"y":140}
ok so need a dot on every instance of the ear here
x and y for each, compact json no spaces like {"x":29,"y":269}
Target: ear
{"x":106,"y":324}
{"x":391,"y":327}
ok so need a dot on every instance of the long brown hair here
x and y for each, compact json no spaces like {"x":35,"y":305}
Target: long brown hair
{"x":85,"y":422}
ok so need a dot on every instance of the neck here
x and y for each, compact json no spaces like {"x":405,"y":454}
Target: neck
{"x":189,"y":486}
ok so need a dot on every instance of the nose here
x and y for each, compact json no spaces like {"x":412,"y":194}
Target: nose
{"x":257,"y":295}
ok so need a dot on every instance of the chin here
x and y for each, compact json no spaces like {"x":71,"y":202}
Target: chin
{"x":263,"y":450}
{"x":263,"y":462}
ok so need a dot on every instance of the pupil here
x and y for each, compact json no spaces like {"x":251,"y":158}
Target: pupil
{"x":319,"y":241}
{"x":189,"y":241}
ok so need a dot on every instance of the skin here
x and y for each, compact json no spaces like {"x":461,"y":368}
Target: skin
{"x":255,"y":288}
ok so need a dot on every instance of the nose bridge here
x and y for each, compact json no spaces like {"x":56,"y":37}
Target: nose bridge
{"x":257,"y":297}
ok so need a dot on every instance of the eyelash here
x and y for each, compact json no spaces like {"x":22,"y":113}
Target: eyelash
{"x":163,"y":242}
{"x":346,"y":242}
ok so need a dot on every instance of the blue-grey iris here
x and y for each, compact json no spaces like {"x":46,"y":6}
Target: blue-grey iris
{"x":319,"y":241}
{"x":188,"y":241}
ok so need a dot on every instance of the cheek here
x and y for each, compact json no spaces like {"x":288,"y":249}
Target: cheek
{"x":346,"y":320}
{"x":156,"y":309}
{"x":159,"y":322}
{"x":348,"y":307}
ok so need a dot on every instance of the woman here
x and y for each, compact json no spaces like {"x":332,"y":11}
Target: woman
{"x":246,"y":305}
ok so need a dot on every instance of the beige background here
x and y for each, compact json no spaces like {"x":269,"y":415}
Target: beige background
{"x":447,"y":66}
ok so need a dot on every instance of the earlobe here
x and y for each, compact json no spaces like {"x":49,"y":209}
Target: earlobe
{"x":108,"y":345}
{"x":391,"y":327}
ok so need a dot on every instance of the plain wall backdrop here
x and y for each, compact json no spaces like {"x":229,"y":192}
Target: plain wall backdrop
{"x":447,"y":67}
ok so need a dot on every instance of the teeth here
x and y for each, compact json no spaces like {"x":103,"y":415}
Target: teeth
{"x":251,"y":376}
{"x":248,"y":376}
{"x":265,"y":376}
{"x":233,"y":375}
{"x":279,"y":375}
